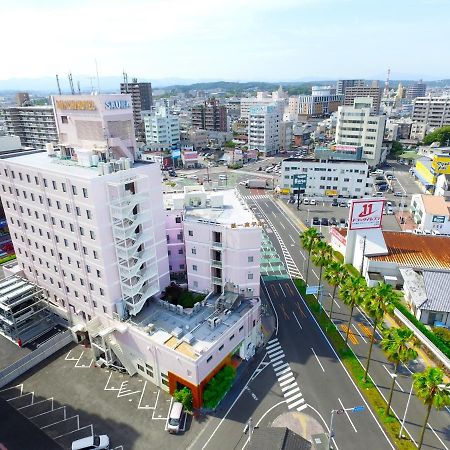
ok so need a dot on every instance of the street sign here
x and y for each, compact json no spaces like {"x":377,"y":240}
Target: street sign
{"x":299,"y":181}
{"x":312,"y":290}
{"x":358,"y":409}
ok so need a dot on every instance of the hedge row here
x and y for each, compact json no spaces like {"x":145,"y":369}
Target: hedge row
{"x":218,"y":386}
{"x":429,"y":334}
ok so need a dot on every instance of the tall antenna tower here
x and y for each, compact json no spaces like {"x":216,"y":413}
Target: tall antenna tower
{"x":71,"y":84}
{"x":98,"y":79}
{"x":79,"y":88}
{"x":386,"y":83}
{"x":57,"y":82}
{"x":125,"y":80}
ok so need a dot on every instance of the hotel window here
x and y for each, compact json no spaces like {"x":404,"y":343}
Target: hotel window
{"x":221,"y":348}
{"x":102,"y":292}
{"x":92,"y":234}
{"x":250,"y":259}
{"x":231,"y":337}
{"x":177,"y":219}
{"x":149,"y":369}
{"x":194,"y":251}
{"x":250,"y":276}
{"x":194,"y":267}
{"x":88,"y":214}
{"x":164,"y":379}
{"x":85,"y":193}
{"x":74,"y":190}
{"x":191,"y":233}
{"x":63,"y":187}
{"x":209,"y":359}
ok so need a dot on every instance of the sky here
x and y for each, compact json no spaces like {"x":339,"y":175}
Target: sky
{"x":233,"y":40}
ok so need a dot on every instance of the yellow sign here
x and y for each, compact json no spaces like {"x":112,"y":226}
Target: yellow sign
{"x":441,"y":164}
{"x":83,"y":105}
{"x":331,"y":193}
{"x":284,"y":191}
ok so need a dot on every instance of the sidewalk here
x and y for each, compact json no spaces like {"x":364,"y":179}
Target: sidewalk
{"x":291,"y":214}
{"x":405,"y":221}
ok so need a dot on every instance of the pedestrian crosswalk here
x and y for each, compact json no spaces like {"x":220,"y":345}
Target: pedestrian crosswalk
{"x":256,"y":197}
{"x":286,"y":380}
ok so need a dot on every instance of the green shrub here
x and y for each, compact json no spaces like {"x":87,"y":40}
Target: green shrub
{"x":218,"y":386}
{"x":7,"y":258}
{"x":184,"y":396}
{"x":443,"y":334}
{"x":436,"y":340}
{"x":339,"y":256}
{"x":235,"y":166}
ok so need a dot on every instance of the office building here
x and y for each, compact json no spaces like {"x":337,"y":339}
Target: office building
{"x":357,"y":126}
{"x":141,"y":100}
{"x":373,"y":91}
{"x":22,"y":98}
{"x":342,"y":85}
{"x":278,"y":97}
{"x":210,"y":115}
{"x":162,"y":129}
{"x":322,"y":102}
{"x":35,"y":125}
{"x":416,"y":90}
{"x":286,"y":135}
{"x":263,"y":129}
{"x":326,"y":178}
{"x":429,"y":113}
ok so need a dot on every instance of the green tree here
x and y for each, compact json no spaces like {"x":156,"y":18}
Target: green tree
{"x":396,"y":344}
{"x":184,"y":396}
{"x":335,"y":274}
{"x":430,"y":388}
{"x":309,"y":238}
{"x":230,"y":144}
{"x":322,"y":254}
{"x":396,"y":148}
{"x":352,"y":293}
{"x":377,"y":302}
{"x":441,"y":135}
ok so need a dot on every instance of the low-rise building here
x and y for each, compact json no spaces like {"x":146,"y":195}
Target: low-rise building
{"x":189,"y":159}
{"x":326,"y":178}
{"x":431,"y":213}
{"x":427,"y":170}
{"x":162,"y":129}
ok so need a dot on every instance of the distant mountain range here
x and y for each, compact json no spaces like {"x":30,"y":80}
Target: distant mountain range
{"x":47,"y":85}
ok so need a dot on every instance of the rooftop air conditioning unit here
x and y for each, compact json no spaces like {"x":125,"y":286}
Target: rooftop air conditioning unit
{"x":212,"y":322}
{"x":189,"y":338}
{"x":177,"y":332}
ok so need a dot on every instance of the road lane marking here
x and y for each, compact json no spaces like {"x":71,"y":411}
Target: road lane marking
{"x":291,"y":386}
{"x":278,"y":363}
{"x":360,"y":335}
{"x":390,"y":374}
{"x":272,"y":340}
{"x":286,"y":376}
{"x":348,"y":417}
{"x":286,"y":382}
{"x":289,"y":289}
{"x":279,"y":357}
{"x":282,"y":225}
{"x":301,"y":408}
{"x":320,"y":364}
{"x":351,"y":335}
{"x":284,"y":311}
{"x":298,"y":402}
{"x":295,"y":317}
{"x":292,"y":391}
{"x":440,"y":440}
{"x":277,"y":352}
{"x":281,"y":287}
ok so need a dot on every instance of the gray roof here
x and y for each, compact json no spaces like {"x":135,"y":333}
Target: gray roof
{"x":437,"y":288}
{"x":276,"y":438}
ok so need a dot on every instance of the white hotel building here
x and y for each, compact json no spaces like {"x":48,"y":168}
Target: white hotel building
{"x":264,"y":129}
{"x":327,"y":178}
{"x":162,"y":129}
{"x":88,"y":225}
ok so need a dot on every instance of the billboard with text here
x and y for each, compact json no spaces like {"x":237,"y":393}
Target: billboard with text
{"x":366,"y":213}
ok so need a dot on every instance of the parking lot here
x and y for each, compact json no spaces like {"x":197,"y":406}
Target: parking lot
{"x":69,"y":398}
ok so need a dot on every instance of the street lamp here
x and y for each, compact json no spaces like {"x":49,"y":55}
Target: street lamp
{"x":340,"y":411}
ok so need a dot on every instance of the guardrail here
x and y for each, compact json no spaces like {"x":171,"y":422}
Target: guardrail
{"x":26,"y":363}
{"x":422,"y":338}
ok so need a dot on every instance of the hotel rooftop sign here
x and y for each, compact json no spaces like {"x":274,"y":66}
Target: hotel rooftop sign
{"x":82,"y":105}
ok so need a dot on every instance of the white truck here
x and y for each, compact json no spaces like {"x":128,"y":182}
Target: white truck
{"x":256,"y":184}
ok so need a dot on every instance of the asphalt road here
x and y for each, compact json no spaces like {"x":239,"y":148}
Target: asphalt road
{"x":438,"y":436}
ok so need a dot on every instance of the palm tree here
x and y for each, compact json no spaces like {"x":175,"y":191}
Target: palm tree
{"x":335,"y":274}
{"x":430,"y":388}
{"x":377,"y":302}
{"x":309,"y":238}
{"x":395,"y":344}
{"x":352,"y":294}
{"x":322,"y":254}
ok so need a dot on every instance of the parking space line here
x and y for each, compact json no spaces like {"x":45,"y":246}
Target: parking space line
{"x":13,"y":387}
{"x":48,"y":412}
{"x":348,"y":417}
{"x":37,"y":403}
{"x":78,"y":429}
{"x":22,"y":396}
{"x":295,"y":317}
{"x":60,"y":421}
{"x":168,"y":414}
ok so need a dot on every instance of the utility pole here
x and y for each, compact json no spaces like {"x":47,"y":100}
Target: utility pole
{"x":362,"y":258}
{"x":57,"y":82}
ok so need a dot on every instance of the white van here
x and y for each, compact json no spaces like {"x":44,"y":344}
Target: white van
{"x":94,"y":442}
{"x":173,"y":425}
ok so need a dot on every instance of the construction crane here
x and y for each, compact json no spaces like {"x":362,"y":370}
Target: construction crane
{"x":57,"y":82}
{"x":125,"y":81}
{"x":71,"y":84}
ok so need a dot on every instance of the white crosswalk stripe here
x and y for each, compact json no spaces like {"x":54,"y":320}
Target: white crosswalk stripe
{"x":286,"y":388}
{"x":288,"y":369}
{"x":284,"y":377}
{"x":298,"y":402}
{"x":274,"y":345}
{"x":292,"y":391}
{"x":277,"y":364}
{"x":273,"y":349}
{"x":290,"y":400}
{"x":256,"y":197}
{"x":276,"y":353}
{"x":301,"y":408}
{"x":285,"y":382}
{"x":273,"y":340}
{"x":280,"y":368}
{"x":278,"y":357}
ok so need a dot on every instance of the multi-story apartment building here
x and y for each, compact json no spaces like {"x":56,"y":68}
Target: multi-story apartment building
{"x":429,"y":113}
{"x":342,"y":85}
{"x":162,"y":129}
{"x":373,"y":91}
{"x":210,"y":115}
{"x":326,"y":178}
{"x":286,"y":135}
{"x":278,"y":97}
{"x":322,"y":102}
{"x":415,"y":90}
{"x":141,"y":99}
{"x":22,"y":98}
{"x":263,"y":129}
{"x":35,"y":125}
{"x":357,"y":126}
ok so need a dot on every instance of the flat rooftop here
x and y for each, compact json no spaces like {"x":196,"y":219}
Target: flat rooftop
{"x":233,"y":211}
{"x":188,"y":332}
{"x":41,"y":161}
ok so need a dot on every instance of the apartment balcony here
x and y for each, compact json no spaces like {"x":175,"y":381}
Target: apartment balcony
{"x":216,"y":263}
{"x":124,"y":229}
{"x":216,"y":245}
{"x":216,"y":280}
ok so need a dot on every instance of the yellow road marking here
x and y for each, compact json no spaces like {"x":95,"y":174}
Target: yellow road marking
{"x":366,"y":330}
{"x":301,"y":310}
{"x":351,"y":335}
{"x":284,"y":312}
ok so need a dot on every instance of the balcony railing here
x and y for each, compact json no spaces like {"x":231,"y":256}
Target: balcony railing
{"x":216,"y":280}
{"x":216,"y":263}
{"x":216,"y":244}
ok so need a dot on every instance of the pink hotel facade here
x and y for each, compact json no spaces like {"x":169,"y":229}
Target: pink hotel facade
{"x":89,"y":226}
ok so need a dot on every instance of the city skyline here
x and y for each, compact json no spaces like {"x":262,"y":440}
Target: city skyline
{"x":286,"y":40}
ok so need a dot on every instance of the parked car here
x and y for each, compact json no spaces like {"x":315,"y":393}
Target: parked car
{"x":389,"y":210}
{"x":342,"y":222}
{"x":94,"y":442}
{"x":399,"y":194}
{"x":292,"y":200}
{"x":306,"y":201}
{"x":334,"y":202}
{"x":333,"y":221}
{"x":342,"y":203}
{"x":176,"y":413}
{"x":316,"y":221}
{"x":324,"y":221}
{"x":378,"y":194}
{"x":312,"y":201}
